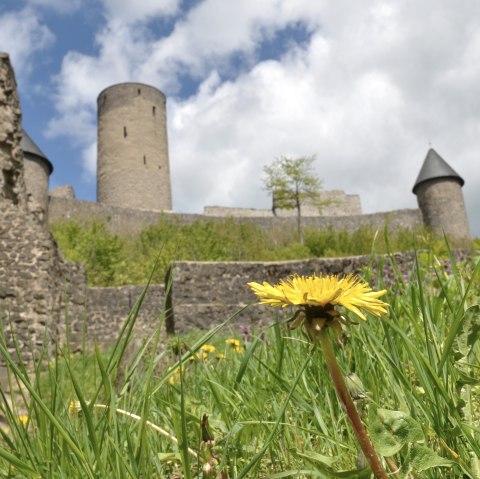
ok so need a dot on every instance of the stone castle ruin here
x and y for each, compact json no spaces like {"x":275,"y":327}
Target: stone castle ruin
{"x":39,"y":290}
{"x":134,"y":190}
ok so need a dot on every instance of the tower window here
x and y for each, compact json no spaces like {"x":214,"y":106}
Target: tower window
{"x":124,"y":131}
{"x":144,"y":160}
{"x":139,"y":91}
{"x":153,"y":110}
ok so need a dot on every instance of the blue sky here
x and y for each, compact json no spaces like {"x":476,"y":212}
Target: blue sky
{"x":366,"y":86}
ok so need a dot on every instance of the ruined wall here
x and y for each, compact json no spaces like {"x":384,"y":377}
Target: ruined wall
{"x":204,"y":294}
{"x":36,"y":286}
{"x":129,"y":221}
{"x":108,"y":309}
{"x":337,"y":203}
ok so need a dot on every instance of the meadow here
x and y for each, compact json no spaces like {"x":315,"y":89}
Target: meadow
{"x":251,"y":401}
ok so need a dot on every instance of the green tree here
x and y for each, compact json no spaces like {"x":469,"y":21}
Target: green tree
{"x":292,"y":183}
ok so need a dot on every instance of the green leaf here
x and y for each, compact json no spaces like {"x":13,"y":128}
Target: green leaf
{"x":316,"y":458}
{"x":423,"y":458}
{"x":468,"y":334}
{"x":391,"y":430}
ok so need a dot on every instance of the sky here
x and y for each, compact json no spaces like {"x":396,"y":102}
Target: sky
{"x":366,"y":87}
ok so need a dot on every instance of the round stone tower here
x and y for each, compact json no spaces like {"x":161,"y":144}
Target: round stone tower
{"x":440,"y":199}
{"x":37,"y":169}
{"x":133,"y":169}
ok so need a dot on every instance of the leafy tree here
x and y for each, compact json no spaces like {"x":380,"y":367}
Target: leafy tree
{"x":292,"y":183}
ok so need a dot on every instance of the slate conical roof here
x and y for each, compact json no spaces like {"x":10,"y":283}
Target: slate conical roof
{"x":435,"y":167}
{"x":30,"y":148}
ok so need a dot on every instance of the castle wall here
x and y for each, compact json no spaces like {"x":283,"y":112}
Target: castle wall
{"x":133,"y":168}
{"x":108,"y":309}
{"x":37,"y":287}
{"x":130,"y":221}
{"x":337,"y":203}
{"x":204,"y":294}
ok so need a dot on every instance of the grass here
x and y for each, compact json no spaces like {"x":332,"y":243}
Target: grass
{"x":268,"y":410}
{"x":112,"y":260}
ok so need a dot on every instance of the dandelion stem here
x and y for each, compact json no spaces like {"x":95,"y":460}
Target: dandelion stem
{"x":349,"y":407}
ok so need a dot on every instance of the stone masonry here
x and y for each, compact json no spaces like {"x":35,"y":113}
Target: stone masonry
{"x":36,"y":285}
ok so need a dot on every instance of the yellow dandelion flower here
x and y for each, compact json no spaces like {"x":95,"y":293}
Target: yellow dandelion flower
{"x":317,"y":297}
{"x":23,"y":419}
{"x":220,"y":356}
{"x":324,"y":292}
{"x":208,"y":348}
{"x":239,"y":349}
{"x":233,"y":342}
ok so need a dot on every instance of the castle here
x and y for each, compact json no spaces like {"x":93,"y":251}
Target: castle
{"x":133,"y":179}
{"x":38,"y":289}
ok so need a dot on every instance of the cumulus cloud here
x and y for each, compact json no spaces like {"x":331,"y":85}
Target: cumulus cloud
{"x":368,"y":89}
{"x":21,"y":35}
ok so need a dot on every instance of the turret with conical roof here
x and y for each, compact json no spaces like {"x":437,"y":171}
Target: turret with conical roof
{"x":439,"y":194}
{"x":37,"y":169}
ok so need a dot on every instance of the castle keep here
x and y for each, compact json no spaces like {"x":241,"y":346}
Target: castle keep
{"x":133,"y":170}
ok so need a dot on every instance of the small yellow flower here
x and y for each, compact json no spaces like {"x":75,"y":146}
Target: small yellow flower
{"x":23,"y":419}
{"x":175,"y":377}
{"x":208,"y":348}
{"x":239,"y":349}
{"x":74,"y":408}
{"x":233,"y":342}
{"x":220,"y":356}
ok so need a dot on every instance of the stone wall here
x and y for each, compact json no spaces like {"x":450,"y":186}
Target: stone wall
{"x":204,"y":294}
{"x":130,"y":221}
{"x":201,"y":296}
{"x":108,"y":309}
{"x":36,"y":285}
{"x":337,"y":203}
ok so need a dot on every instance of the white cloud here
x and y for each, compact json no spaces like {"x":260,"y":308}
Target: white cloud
{"x":128,"y":11}
{"x":21,"y":35}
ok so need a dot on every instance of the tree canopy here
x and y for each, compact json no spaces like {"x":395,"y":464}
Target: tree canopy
{"x":292,"y":183}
